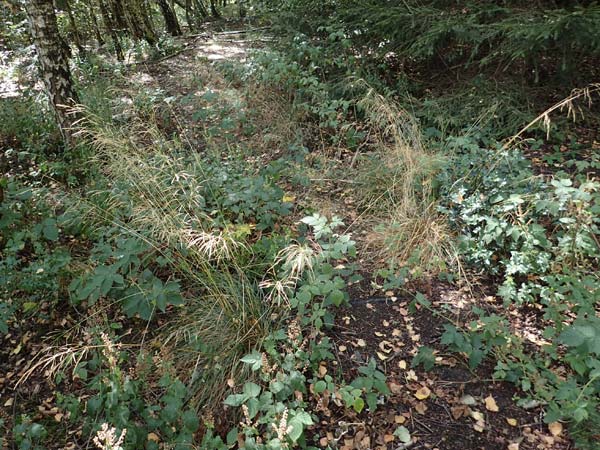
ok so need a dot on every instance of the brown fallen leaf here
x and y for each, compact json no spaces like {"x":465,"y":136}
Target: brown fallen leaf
{"x":395,"y":387}
{"x":421,"y":407}
{"x":322,"y":370}
{"x":490,"y":404}
{"x":460,"y":411}
{"x":513,"y":446}
{"x":399,"y":419}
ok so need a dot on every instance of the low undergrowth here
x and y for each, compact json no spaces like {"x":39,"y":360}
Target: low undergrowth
{"x":540,"y":238}
{"x":185,"y":286}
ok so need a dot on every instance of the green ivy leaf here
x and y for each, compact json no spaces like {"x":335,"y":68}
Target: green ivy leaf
{"x":320,"y":386}
{"x":49,"y":229}
{"x":251,"y":390}
{"x":190,"y":420}
{"x":235,"y":400}
{"x":254,"y":359}
{"x":358,"y":405}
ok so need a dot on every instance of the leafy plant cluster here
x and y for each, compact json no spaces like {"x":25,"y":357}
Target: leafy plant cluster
{"x":34,"y":266}
{"x":292,"y":371}
{"x":541,"y":239}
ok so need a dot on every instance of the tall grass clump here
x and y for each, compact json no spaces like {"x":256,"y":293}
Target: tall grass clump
{"x":156,"y":189}
{"x":396,"y":184}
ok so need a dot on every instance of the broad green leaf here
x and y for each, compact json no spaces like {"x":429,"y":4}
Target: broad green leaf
{"x":403,"y":434}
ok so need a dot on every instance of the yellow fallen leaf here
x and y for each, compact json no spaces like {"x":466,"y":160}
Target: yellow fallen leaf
{"x":555,"y":428}
{"x":381,"y":356}
{"x":342,"y":348}
{"x":361,"y":343}
{"x":399,"y":419}
{"x":402,"y":364}
{"x":153,"y":437}
{"x":477,"y":416}
{"x":479,"y":426}
{"x":490,"y":404}
{"x":288,"y":198}
{"x":512,"y":422}
{"x":423,"y":393}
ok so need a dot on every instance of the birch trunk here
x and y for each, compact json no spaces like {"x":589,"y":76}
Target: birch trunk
{"x":53,"y":57}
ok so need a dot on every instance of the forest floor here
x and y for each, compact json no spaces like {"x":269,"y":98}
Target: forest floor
{"x":451,"y":407}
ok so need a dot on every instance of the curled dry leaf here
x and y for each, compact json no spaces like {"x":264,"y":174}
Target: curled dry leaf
{"x":490,"y":404}
{"x":423,"y":393}
{"x":555,"y":428}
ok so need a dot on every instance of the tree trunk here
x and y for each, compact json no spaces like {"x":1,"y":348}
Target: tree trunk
{"x":136,"y":20}
{"x":53,"y":57}
{"x":110,"y":25}
{"x":171,"y":22}
{"x":99,"y":37}
{"x":213,"y":9}
{"x":75,"y":30}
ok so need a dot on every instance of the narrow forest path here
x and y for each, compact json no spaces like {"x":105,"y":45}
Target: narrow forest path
{"x":449,"y":407}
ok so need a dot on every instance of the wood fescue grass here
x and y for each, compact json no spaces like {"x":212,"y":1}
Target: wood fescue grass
{"x":396,"y":189}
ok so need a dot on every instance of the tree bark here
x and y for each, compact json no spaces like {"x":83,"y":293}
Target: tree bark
{"x":53,"y":57}
{"x":110,"y":25}
{"x":171,"y":22}
{"x":99,"y":37}
{"x":213,"y":9}
{"x":75,"y":30}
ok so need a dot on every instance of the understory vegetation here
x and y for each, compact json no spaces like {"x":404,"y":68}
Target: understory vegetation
{"x":184,"y":266}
